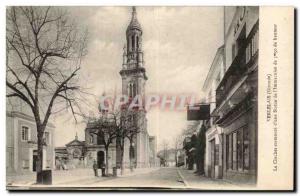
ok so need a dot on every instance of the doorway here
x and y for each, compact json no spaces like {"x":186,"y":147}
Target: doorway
{"x":100,"y":158}
{"x":34,"y":160}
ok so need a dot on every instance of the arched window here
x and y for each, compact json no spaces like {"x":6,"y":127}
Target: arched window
{"x":134,"y":90}
{"x":100,"y":139}
{"x":137,"y":42}
{"x":130,"y":90}
{"x":133,"y":43}
{"x":128,"y":47}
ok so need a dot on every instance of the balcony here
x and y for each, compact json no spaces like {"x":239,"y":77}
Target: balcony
{"x":238,"y":68}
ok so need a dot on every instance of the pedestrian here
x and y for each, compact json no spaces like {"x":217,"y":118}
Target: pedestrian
{"x":95,"y":168}
{"x":103,"y":169}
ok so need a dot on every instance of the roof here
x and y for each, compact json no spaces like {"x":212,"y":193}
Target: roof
{"x":212,"y":69}
{"x":75,"y":142}
{"x":134,"y":23}
{"x":26,"y":117}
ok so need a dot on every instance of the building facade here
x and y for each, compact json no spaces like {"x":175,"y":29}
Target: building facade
{"x":213,"y":150}
{"x":82,"y":154}
{"x":232,"y":129}
{"x":72,"y":155}
{"x":153,"y":160}
{"x":21,"y":142}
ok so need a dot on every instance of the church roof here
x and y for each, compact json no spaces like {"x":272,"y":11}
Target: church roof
{"x":134,"y":23}
{"x":75,"y":142}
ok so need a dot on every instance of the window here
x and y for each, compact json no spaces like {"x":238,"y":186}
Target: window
{"x":238,"y":150}
{"x":227,"y":152}
{"x":25,"y":133}
{"x":254,"y":42}
{"x":133,"y":44}
{"x":47,"y":137}
{"x":91,"y":140}
{"x":233,"y":51}
{"x":131,"y":90}
{"x":100,"y":139}
{"x":246,"y":148}
{"x":234,"y":151}
{"x":252,"y":47}
{"x":248,"y":53}
{"x":230,"y":152}
{"x":76,"y":153}
{"x":134,"y":90}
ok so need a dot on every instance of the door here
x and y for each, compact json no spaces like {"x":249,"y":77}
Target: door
{"x":34,"y":160}
{"x":100,"y":158}
{"x":212,"y":157}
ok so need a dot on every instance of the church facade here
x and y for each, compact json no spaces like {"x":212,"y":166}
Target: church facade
{"x":133,"y":73}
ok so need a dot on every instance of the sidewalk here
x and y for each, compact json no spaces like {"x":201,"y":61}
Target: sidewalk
{"x":194,"y":181}
{"x":74,"y":177}
{"x":58,"y":177}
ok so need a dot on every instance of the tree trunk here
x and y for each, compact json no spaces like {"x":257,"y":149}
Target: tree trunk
{"x":131,"y":156}
{"x":122,"y":162}
{"x":106,"y":161}
{"x":39,"y":164}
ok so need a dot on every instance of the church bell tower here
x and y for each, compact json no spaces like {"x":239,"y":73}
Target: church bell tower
{"x":133,"y":72}
{"x":134,"y":78}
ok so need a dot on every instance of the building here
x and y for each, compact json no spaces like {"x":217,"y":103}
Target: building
{"x":213,"y":151}
{"x":72,"y":155}
{"x":82,"y":154}
{"x":95,"y":150}
{"x":21,"y":141}
{"x":134,"y":79}
{"x":232,"y":128}
{"x":153,"y":160}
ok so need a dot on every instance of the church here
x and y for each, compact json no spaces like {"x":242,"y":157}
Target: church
{"x":133,"y":74}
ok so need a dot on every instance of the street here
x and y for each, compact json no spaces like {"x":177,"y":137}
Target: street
{"x":162,"y":177}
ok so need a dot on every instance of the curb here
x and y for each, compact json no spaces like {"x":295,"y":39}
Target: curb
{"x":183,"y":179}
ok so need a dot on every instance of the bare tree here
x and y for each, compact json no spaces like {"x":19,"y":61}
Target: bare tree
{"x":128,"y":126}
{"x":116,"y":126}
{"x":178,"y":139}
{"x":105,"y":129}
{"x":45,"y":51}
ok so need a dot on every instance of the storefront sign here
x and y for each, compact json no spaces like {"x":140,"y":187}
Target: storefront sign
{"x":198,"y":112}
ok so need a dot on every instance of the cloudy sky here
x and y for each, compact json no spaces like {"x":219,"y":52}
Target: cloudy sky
{"x":179,"y":44}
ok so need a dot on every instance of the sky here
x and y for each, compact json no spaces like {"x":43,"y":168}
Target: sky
{"x":179,"y":45}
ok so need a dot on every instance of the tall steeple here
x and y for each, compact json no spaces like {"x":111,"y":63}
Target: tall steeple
{"x":134,"y":54}
{"x":134,"y":23}
{"x":134,"y":79}
{"x":133,"y":71}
